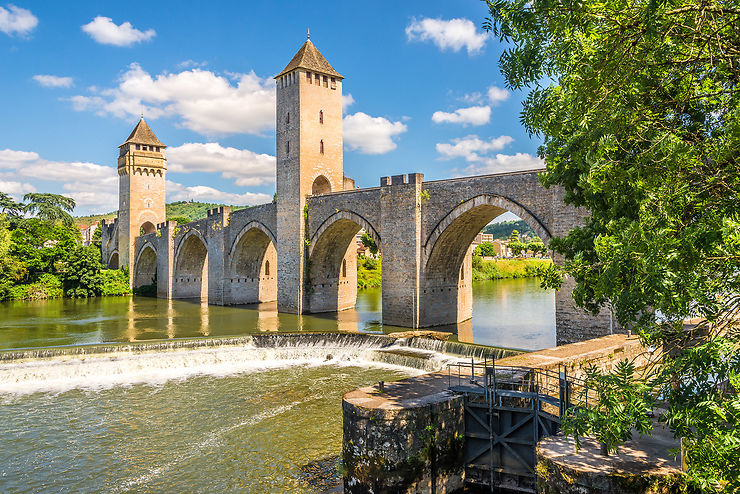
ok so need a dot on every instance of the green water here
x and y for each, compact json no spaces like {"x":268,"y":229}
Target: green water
{"x":506,"y":313}
{"x":209,"y":420}
{"x":251,"y":432}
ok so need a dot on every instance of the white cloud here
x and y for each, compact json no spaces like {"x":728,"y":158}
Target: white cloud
{"x":186,"y":64}
{"x":454,"y":34}
{"x":179,"y":192}
{"x":53,"y":80}
{"x":89,"y":184}
{"x":204,"y":101}
{"x":245,"y":167}
{"x":497,"y":95}
{"x":15,"y":20}
{"x":478,"y":153}
{"x":471,"y":147}
{"x":105,"y":31}
{"x":16,"y":189}
{"x":474,"y":115}
{"x":347,"y":101}
{"x":501,"y":163}
{"x":371,"y":135}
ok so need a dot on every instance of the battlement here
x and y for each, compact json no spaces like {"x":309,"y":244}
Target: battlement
{"x":411,"y":178}
{"x":219,"y":211}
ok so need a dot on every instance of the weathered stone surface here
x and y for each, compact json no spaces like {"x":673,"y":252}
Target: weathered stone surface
{"x":643,"y":466}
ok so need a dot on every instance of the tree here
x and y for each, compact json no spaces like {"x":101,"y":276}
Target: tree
{"x":9,"y":207}
{"x":369,"y":242}
{"x":517,"y":248}
{"x":485,"y":249}
{"x":637,"y":103}
{"x":514,"y":237}
{"x":536,"y":247}
{"x":81,"y":275}
{"x":52,"y":208}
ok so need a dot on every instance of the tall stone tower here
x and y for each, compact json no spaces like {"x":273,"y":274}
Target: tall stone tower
{"x":141,"y":202}
{"x":309,"y":158}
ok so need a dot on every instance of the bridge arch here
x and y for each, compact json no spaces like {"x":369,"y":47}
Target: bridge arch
{"x":252,"y":270}
{"x":190,"y":278}
{"x":145,"y":266}
{"x":113,"y":262}
{"x":447,"y":264}
{"x":333,"y":262}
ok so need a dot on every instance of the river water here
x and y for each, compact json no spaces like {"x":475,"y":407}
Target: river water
{"x":506,"y":313}
{"x":173,"y":412}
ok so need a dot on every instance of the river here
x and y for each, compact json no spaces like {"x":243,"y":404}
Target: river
{"x":510,"y":313}
{"x":175,"y":413}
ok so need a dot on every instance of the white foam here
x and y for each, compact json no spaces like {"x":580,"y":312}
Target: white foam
{"x":124,"y":368}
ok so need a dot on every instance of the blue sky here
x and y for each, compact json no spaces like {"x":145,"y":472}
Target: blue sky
{"x":426,"y":92}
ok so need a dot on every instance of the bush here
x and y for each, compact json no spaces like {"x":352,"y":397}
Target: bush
{"x":115,"y":282}
{"x":81,"y":275}
{"x":508,"y":268}
{"x":368,"y":273}
{"x":47,"y":286}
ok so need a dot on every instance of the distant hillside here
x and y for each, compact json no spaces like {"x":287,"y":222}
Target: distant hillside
{"x":181,"y":209}
{"x":504,"y":229}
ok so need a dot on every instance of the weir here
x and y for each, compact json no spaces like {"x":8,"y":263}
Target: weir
{"x":93,"y":366}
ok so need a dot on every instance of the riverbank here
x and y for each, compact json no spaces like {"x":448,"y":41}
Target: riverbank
{"x":113,"y":282}
{"x":498,"y":269}
{"x":369,"y":270}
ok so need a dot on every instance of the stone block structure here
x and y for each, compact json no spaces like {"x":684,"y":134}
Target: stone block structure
{"x":300,"y":250}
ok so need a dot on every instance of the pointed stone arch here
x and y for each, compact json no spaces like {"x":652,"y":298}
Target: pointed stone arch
{"x":249,"y":278}
{"x":113,"y":260}
{"x":446,"y":281}
{"x":190,"y":278}
{"x":145,"y":266}
{"x":333,"y":261}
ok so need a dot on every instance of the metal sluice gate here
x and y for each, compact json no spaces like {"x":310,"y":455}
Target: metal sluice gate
{"x":507,"y":411}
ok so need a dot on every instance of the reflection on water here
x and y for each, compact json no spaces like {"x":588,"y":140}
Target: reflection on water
{"x":507,"y":313}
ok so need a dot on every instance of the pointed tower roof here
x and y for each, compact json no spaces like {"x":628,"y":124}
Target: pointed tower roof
{"x":309,"y":57}
{"x":142,"y":134}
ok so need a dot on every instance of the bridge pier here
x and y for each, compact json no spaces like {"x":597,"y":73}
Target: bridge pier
{"x":218,"y":220}
{"x":400,"y":220}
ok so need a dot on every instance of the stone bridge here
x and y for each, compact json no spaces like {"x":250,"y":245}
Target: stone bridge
{"x":300,"y":250}
{"x":423,"y":229}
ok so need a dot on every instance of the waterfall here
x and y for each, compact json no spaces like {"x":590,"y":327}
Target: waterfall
{"x":60,"y":369}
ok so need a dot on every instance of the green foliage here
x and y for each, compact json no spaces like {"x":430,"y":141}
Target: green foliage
{"x":50,"y":208}
{"x":81,"y":276}
{"x":508,"y":268}
{"x":623,"y":401}
{"x":174,"y":210}
{"x":115,"y":282}
{"x":504,"y":229}
{"x":368,"y":272}
{"x":181,"y":220}
{"x":514,"y":237}
{"x":9,"y":207}
{"x":485,"y":249}
{"x":638,"y":105}
{"x":369,"y":242}
{"x":517,"y":248}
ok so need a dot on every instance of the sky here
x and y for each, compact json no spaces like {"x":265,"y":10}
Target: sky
{"x":422,"y":93}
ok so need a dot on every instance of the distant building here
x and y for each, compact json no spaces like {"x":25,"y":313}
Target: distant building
{"x":87,"y":233}
{"x":482,"y":237}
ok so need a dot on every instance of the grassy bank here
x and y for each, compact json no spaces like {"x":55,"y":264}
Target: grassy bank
{"x":507,"y":268}
{"x":369,"y":270}
{"x":368,"y":273}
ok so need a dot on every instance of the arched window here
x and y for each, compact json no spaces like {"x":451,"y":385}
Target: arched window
{"x":321,"y":185}
{"x":267,"y":268}
{"x":344,"y":268}
{"x":321,"y":116}
{"x":321,"y":146}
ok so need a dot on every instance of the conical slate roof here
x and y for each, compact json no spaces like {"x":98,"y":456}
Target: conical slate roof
{"x":142,"y":134}
{"x":309,"y":57}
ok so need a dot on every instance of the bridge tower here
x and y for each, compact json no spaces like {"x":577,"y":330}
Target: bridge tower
{"x":309,"y":159}
{"x":141,"y":203}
